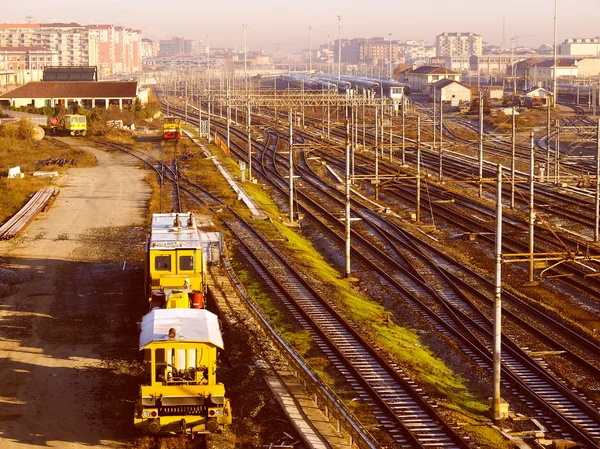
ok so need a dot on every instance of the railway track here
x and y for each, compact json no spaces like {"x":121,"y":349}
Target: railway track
{"x":574,"y":413}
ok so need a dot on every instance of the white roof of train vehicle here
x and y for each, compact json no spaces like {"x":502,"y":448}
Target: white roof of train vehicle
{"x":164,"y":235}
{"x":191,"y":325}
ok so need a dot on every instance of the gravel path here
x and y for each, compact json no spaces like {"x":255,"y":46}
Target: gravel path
{"x":68,"y":338}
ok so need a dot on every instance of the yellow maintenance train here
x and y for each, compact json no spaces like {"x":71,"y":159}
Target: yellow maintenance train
{"x":73,"y":124}
{"x":179,"y":338}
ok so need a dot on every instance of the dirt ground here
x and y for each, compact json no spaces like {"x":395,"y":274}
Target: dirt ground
{"x":68,"y":333}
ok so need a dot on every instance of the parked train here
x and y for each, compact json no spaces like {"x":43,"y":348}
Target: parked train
{"x":171,"y":128}
{"x":179,"y":338}
{"x":73,"y":124}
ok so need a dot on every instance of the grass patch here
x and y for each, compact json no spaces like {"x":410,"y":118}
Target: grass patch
{"x":25,"y":153}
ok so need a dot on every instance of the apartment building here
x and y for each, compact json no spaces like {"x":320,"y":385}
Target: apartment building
{"x":27,"y":58}
{"x":458,"y":44}
{"x":112,"y":49}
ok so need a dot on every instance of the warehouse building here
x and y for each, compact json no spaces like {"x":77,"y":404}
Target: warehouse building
{"x":75,"y":93}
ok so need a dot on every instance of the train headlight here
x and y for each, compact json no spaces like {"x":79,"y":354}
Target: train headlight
{"x":146,"y":415}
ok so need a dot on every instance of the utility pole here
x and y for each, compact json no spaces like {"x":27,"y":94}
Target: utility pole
{"x":597,"y":228}
{"x":557,"y":152}
{"x":185,"y":108}
{"x":376,"y":154}
{"x":480,"y":145}
{"x":531,"y":209}
{"x":348,"y":247}
{"x":339,"y":48}
{"x":403,"y":135}
{"x":434,"y":115}
{"x":418,"y":212}
{"x":548,"y":142}
{"x":554,"y":92}
{"x":249,"y":121}
{"x":497,"y":359}
{"x":512,"y":159}
{"x":291,"y":162}
{"x":209,"y":95}
{"x":441,"y":135}
{"x":228,"y":115}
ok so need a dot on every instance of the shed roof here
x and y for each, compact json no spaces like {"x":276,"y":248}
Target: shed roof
{"x":446,"y":82}
{"x":431,"y":70}
{"x":75,"y":89}
{"x":559,"y":63}
{"x":191,"y":325}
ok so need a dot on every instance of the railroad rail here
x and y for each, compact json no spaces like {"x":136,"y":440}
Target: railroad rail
{"x":18,"y":222}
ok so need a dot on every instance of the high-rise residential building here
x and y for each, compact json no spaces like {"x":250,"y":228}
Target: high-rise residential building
{"x":458,"y":44}
{"x":580,"y":47}
{"x":112,"y":49}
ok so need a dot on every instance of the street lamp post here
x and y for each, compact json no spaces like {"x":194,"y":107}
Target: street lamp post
{"x":339,"y":48}
{"x":309,"y":49}
{"x":390,"y":36}
{"x":245,"y":27}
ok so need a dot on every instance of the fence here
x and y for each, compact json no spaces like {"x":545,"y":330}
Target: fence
{"x":36,"y":119}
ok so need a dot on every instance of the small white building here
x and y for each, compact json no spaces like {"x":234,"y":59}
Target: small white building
{"x":493,"y":92}
{"x":450,"y":90}
{"x":536,"y":97}
{"x":420,"y":78}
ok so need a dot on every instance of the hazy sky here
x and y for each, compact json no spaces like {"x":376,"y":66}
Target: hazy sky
{"x":285,"y":22}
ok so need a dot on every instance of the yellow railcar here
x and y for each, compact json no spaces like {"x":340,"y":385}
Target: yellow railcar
{"x":73,"y":124}
{"x":181,"y":393}
{"x":171,"y":128}
{"x":175,"y":262}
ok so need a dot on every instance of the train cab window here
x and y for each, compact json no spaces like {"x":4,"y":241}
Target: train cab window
{"x":162,"y":263}
{"x":186,"y":263}
{"x":160,"y":364}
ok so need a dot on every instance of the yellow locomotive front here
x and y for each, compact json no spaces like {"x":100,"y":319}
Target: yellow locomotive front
{"x":171,"y":128}
{"x":181,"y":393}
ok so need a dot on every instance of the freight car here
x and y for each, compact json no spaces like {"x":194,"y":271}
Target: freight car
{"x":181,"y":393}
{"x":74,"y":124}
{"x":171,"y":128}
{"x":178,"y":251}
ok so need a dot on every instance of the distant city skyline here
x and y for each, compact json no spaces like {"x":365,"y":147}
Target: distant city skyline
{"x":284,"y":25}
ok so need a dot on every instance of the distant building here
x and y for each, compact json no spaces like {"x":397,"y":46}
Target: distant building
{"x":149,"y":48}
{"x":458,"y":44}
{"x":417,"y":50}
{"x":175,"y":46}
{"x":495,"y":64}
{"x":459,"y":64}
{"x":580,"y":47}
{"x":420,"y":78}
